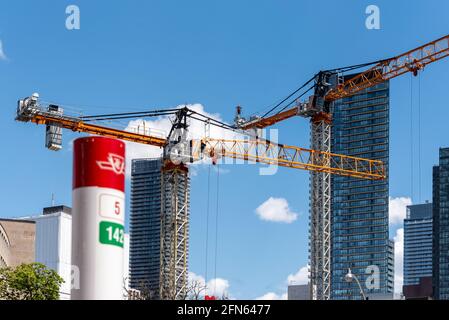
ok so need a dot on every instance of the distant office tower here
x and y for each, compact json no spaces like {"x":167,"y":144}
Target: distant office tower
{"x":417,"y":243}
{"x":16,"y":242}
{"x":152,"y":210}
{"x":359,"y":207}
{"x":53,"y":243}
{"x":441,"y":226}
{"x":145,"y":225}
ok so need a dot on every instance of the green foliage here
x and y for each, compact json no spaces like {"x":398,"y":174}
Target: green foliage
{"x":32,"y":281}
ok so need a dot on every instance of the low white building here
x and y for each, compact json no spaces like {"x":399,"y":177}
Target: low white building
{"x":54,"y":242}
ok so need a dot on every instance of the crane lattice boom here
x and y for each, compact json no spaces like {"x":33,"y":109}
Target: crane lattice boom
{"x":266,"y":152}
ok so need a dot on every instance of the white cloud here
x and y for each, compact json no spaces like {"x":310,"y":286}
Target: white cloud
{"x":2,"y":53}
{"x":398,"y":212}
{"x":160,"y":127}
{"x":272,"y":296}
{"x":276,"y":210}
{"x":300,"y":277}
{"x":398,"y":260}
{"x":397,"y":208}
{"x":217,"y":287}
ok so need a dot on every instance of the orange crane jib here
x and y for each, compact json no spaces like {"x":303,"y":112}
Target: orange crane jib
{"x":80,"y":126}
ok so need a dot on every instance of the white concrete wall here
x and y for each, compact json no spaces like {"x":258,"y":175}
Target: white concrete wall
{"x":53,"y":246}
{"x":126,"y":262}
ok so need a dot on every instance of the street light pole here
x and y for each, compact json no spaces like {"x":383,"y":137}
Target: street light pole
{"x":350,"y":277}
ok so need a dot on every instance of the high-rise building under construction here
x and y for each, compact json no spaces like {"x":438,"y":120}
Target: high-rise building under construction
{"x":159,"y":226}
{"x":359,"y":207}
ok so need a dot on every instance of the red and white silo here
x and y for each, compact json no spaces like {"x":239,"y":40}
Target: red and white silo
{"x":98,"y":218}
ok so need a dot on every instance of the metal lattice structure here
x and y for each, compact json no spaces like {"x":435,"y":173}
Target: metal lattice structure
{"x":266,"y":152}
{"x":320,"y":214}
{"x":175,"y":205}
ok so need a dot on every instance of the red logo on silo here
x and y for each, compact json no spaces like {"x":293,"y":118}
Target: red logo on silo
{"x":114,"y":163}
{"x":99,"y":162}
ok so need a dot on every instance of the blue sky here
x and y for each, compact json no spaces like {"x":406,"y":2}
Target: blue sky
{"x":136,"y":55}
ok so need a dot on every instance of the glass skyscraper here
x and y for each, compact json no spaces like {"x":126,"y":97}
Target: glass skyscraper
{"x":417,"y":243}
{"x":145,"y":226}
{"x":441,"y":226}
{"x":360,"y":239}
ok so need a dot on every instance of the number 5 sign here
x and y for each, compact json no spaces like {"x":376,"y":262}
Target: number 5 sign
{"x":112,"y":207}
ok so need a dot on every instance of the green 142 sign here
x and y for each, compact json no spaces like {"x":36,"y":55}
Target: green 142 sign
{"x":112,"y":233}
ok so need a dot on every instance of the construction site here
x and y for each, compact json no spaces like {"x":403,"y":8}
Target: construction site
{"x":341,"y":156}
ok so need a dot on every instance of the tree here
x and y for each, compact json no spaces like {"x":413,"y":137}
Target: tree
{"x":32,"y":281}
{"x":194,"y":290}
{"x":143,"y":293}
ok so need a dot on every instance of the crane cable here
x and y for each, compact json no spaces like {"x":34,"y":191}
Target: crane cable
{"x":207,"y":226}
{"x":217,"y":210}
{"x":216,"y":227}
{"x":411,"y":138}
{"x":419,"y":137}
{"x":289,"y":96}
{"x":207,"y":134}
